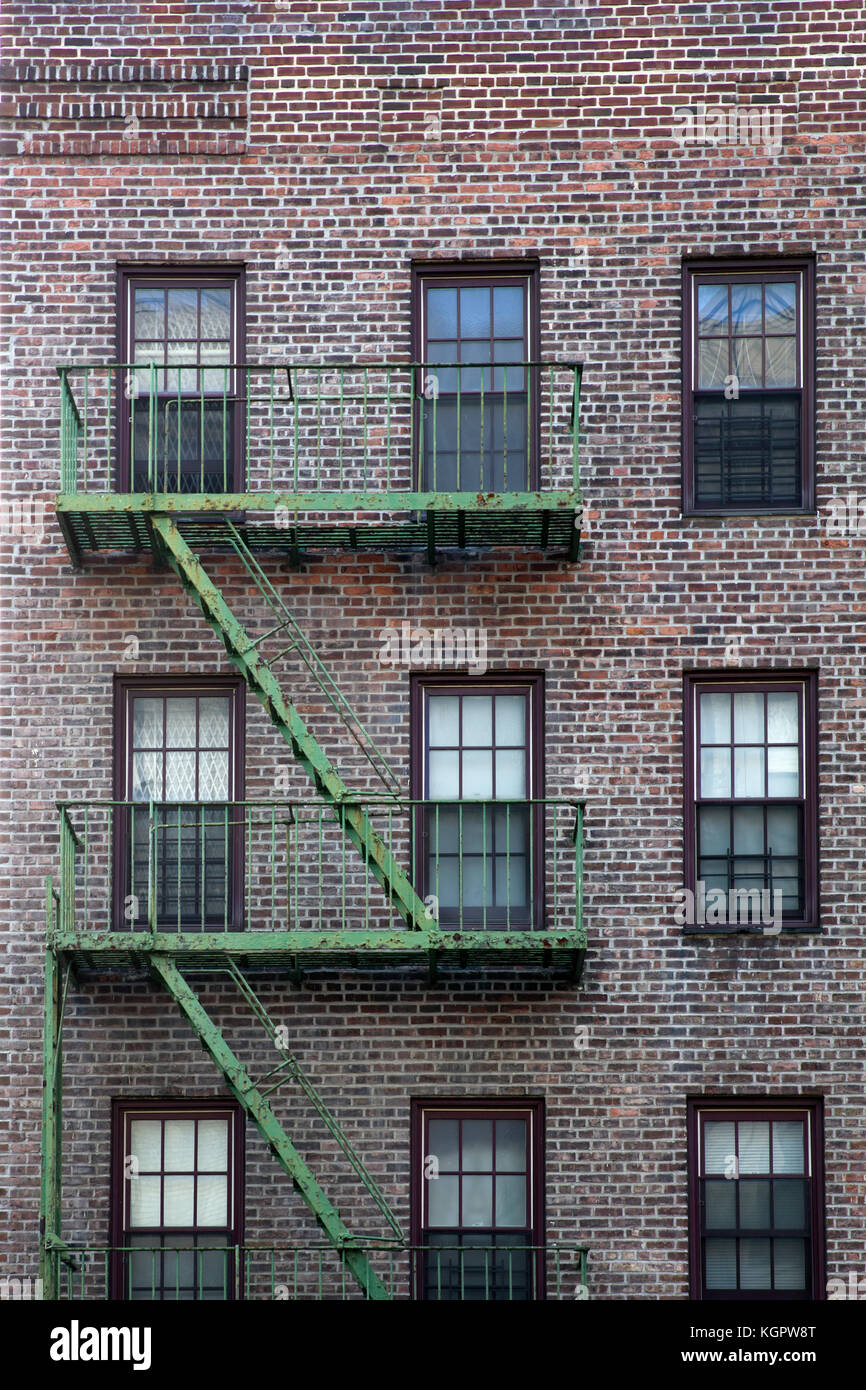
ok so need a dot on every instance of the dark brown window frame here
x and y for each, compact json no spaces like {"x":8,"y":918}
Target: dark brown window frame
{"x":124,"y":688}
{"x":172,"y":275}
{"x":757,"y":1107}
{"x":472,"y":1107}
{"x":532,"y":682}
{"x":759,"y":680}
{"x":481,"y":272}
{"x":728,"y":267}
{"x":171,"y":1108}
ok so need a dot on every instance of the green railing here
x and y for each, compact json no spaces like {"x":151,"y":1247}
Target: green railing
{"x":314,"y":427}
{"x":147,"y":1270}
{"x":278,"y":866}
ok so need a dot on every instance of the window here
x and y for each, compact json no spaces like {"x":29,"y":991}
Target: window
{"x":188,"y":437}
{"x":477,"y":1201}
{"x":748,"y":386}
{"x":179,"y":761}
{"x":476,"y":420}
{"x":477,"y":770}
{"x":177,"y":1199}
{"x":751,"y":802}
{"x":756,"y":1199}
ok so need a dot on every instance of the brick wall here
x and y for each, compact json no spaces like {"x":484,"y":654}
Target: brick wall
{"x":361,"y":139}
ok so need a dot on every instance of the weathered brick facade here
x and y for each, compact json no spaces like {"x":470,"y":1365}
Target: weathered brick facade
{"x":327,"y":148}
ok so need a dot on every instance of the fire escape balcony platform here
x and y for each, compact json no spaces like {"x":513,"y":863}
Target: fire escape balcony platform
{"x":300,"y":953}
{"x":307,"y":457}
{"x":296,"y":524}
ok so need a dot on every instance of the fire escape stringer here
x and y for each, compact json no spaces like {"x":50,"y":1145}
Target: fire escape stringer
{"x":256,"y":1106}
{"x":244,"y":654}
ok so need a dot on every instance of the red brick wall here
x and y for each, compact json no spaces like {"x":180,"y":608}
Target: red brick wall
{"x":358,"y":139}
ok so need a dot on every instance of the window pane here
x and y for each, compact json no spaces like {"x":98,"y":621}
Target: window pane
{"x":477,"y":1201}
{"x":712,"y":309}
{"x":748,"y":830}
{"x":754,"y":1146}
{"x":749,"y":717}
{"x":144,"y":1201}
{"x":789,"y":1258}
{"x":789,"y":1205}
{"x":212,"y":1201}
{"x":180,"y":723}
{"x":511,"y":1201}
{"x":788,"y":1154}
{"x":781,"y":362}
{"x":781,"y":307}
{"x":510,"y":1145}
{"x":783,"y":717}
{"x":478,"y":1145}
{"x":146,"y":777}
{"x":721,"y":1262}
{"x":444,"y":720}
{"x":475,"y":312}
{"x":508,"y":311}
{"x":783,"y":768}
{"x":712,"y":362}
{"x":443,"y":1143}
{"x":180,"y":777}
{"x":748,"y":772}
{"x":715,"y":772}
{"x":441,"y":313}
{"x":719,"y":1145}
{"x":444,"y":783}
{"x":183,"y":313}
{"x":213,"y":1139}
{"x":149,"y":313}
{"x":754,"y":1204}
{"x":146,"y":723}
{"x":720,"y":1203}
{"x":746,"y":308}
{"x":715,"y":830}
{"x":715,"y":718}
{"x":477,"y":775}
{"x":213,"y":719}
{"x":180,"y":1145}
{"x":510,"y":719}
{"x":216,"y":313}
{"x":178,"y":1199}
{"x":783,"y":830}
{"x":443,"y":1201}
{"x":478,"y":720}
{"x":510,"y":774}
{"x":145,"y":1144}
{"x":754,"y":1264}
{"x":747,"y":361}
{"x":213,"y":777}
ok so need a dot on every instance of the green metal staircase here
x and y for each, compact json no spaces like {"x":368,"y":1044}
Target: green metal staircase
{"x":253,"y":1096}
{"x":246,"y":656}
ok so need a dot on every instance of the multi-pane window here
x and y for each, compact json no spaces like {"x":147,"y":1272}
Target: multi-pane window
{"x":478,"y":1203}
{"x":479,"y":833}
{"x":748,"y":396}
{"x":756,"y":1201}
{"x":178,"y":841}
{"x":476,"y":415}
{"x":178,"y":1200}
{"x":751,"y":811}
{"x":178,"y":400}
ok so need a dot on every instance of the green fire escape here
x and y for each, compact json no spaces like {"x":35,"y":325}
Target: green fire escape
{"x":289,"y":461}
